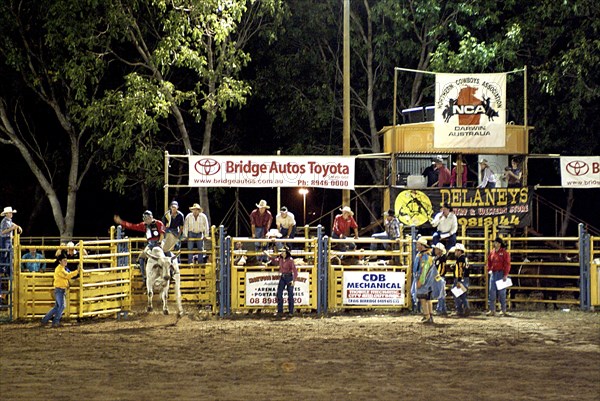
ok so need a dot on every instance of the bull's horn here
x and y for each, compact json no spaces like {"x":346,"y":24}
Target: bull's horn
{"x":176,"y":255}
{"x":149,"y":254}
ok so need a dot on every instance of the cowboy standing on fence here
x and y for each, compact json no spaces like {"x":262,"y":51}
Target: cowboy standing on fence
{"x":195,"y":229}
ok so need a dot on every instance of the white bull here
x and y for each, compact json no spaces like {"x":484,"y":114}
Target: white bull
{"x":158,"y":278}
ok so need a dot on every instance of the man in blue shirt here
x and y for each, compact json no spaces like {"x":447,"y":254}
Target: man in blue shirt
{"x":31,"y":261}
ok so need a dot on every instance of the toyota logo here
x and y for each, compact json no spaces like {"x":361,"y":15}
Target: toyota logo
{"x":577,"y":168}
{"x":207,"y":166}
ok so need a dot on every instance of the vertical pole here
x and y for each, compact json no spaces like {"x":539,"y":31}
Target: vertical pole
{"x":346,"y":90}
{"x":395,"y":92}
{"x":279,"y":188}
{"x":584,"y":269}
{"x":166,"y":178}
{"x":525,"y":122}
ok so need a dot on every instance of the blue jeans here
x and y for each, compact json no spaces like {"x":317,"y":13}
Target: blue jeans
{"x":462,"y":303}
{"x":441,"y":305}
{"x":284,"y":232}
{"x":59,"y":307}
{"x":194,"y":241}
{"x":285,"y":281}
{"x":450,"y":241}
{"x":5,"y":255}
{"x":260,"y":232}
{"x":494,"y":293}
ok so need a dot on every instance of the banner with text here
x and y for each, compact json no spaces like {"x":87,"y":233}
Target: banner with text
{"x":272,"y":171}
{"x":261,"y":289}
{"x":373,"y":288}
{"x":580,"y":171}
{"x":473,"y":207}
{"x":470,"y":111}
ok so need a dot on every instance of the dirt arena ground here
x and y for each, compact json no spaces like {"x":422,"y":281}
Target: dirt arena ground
{"x":351,"y":356}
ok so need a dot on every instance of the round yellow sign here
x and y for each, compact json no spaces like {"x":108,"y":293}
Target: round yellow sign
{"x":413,"y":207}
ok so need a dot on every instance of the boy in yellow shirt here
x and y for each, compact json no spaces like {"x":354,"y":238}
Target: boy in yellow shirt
{"x":61,"y":285}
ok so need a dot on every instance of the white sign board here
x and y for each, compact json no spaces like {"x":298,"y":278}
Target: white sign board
{"x":580,"y":171}
{"x":470,"y":111}
{"x":373,"y":288}
{"x":272,"y":171}
{"x":261,"y":289}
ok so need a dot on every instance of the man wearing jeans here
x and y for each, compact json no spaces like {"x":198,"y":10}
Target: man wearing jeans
{"x":260,"y":223}
{"x":498,"y":266}
{"x":61,"y":285}
{"x":195,"y":228}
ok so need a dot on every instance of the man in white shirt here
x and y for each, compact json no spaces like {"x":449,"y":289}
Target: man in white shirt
{"x":286,"y":223}
{"x":447,"y":226}
{"x":195,"y":228}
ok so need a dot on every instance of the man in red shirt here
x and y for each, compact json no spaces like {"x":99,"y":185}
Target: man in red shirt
{"x":260,"y":222}
{"x":444,"y":176}
{"x":154,"y":232}
{"x":498,"y":266}
{"x":342,"y":224}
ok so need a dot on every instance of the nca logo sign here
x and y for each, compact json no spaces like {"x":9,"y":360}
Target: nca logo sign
{"x":579,"y":168}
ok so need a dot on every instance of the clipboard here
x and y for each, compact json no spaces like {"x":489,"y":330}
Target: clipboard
{"x":500,"y":284}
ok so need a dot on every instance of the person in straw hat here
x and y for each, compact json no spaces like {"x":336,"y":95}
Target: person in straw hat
{"x":195,"y":228}
{"x":424,"y":273}
{"x":461,"y":279}
{"x":342,"y":226}
{"x":488,"y":179}
{"x":260,"y":223}
{"x":7,"y":229}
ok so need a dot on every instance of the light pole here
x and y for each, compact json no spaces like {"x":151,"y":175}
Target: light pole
{"x":303,"y":192}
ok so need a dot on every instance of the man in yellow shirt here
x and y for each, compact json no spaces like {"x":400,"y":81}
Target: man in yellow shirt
{"x":61,"y":284}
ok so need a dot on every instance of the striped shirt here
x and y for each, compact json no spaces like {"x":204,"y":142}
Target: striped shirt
{"x":195,"y":224}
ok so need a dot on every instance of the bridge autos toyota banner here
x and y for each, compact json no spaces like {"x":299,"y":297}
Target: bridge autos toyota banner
{"x":470,"y":111}
{"x":580,"y":171}
{"x":272,"y":171}
{"x":373,"y":288}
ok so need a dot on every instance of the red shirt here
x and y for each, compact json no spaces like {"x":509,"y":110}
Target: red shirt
{"x":453,"y":180}
{"x":261,"y":220}
{"x":341,"y":226}
{"x":286,"y":265}
{"x":444,"y":177}
{"x":499,"y":261}
{"x":152,"y":230}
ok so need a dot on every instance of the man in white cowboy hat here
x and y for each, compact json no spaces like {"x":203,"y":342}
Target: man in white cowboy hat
{"x":173,"y":221}
{"x":342,"y":224}
{"x":260,"y":223}
{"x":195,"y":228}
{"x":488,"y":179}
{"x":447,"y":226}
{"x":7,"y":228}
